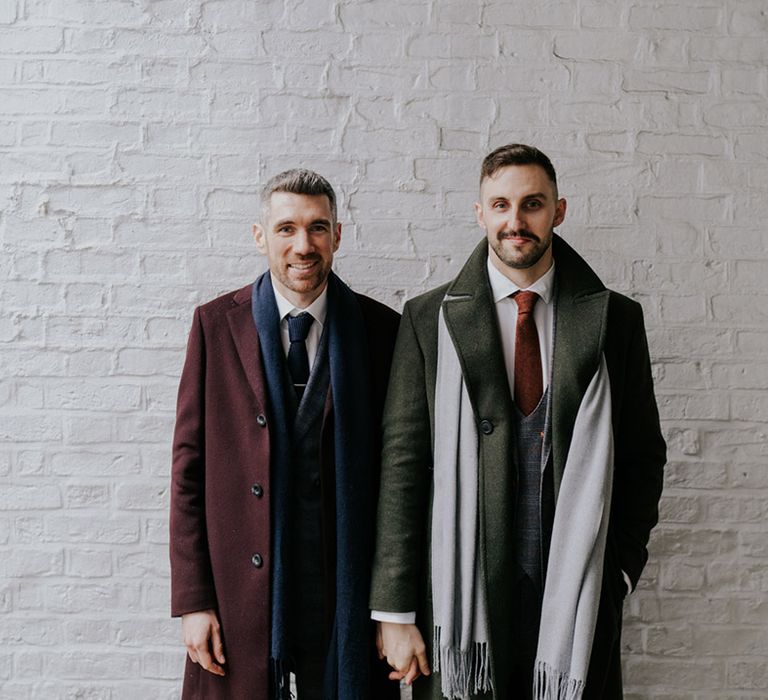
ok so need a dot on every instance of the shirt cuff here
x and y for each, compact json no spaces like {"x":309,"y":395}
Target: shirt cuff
{"x":406,"y":618}
{"x":628,"y":581}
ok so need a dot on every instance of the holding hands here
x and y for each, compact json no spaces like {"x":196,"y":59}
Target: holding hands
{"x":403,"y":648}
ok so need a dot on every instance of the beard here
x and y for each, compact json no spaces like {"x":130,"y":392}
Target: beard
{"x":524,"y":257}
{"x":307,"y":282}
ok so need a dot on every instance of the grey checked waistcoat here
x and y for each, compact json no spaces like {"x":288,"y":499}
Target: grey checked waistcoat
{"x":531,"y":509}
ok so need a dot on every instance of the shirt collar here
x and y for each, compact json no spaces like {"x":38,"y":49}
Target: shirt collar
{"x":317,"y":309}
{"x":502,"y":287}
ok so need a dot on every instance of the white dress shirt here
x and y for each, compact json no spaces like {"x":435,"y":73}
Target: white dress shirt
{"x":506,"y":313}
{"x":317,"y":309}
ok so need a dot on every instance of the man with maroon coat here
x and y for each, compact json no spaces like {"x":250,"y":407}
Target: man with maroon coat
{"x":275,"y":469}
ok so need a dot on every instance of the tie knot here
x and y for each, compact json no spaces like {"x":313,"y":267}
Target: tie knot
{"x":298,"y":327}
{"x":525,"y":301}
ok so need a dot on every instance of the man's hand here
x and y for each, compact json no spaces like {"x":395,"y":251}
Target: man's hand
{"x":403,"y":648}
{"x":202,"y":637}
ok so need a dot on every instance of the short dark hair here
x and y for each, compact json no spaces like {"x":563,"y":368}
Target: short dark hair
{"x":298,"y":181}
{"x":516,"y":154}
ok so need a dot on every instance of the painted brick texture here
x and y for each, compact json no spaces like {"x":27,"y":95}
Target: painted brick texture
{"x":134,"y":138}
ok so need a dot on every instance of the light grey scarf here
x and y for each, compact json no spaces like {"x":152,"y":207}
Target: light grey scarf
{"x":461,"y":641}
{"x":575,"y":564}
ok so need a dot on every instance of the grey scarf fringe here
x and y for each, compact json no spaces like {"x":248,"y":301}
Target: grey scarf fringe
{"x":551,"y":684}
{"x":465,"y":672}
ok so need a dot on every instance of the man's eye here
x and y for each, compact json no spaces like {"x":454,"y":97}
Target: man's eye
{"x":499,"y":205}
{"x":533,"y":204}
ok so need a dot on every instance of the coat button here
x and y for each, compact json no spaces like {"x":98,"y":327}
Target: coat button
{"x":486,"y":427}
{"x":261,"y":419}
{"x":316,"y":482}
{"x":257,"y":561}
{"x":257,"y":490}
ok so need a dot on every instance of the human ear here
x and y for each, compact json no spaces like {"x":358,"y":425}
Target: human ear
{"x":260,"y":236}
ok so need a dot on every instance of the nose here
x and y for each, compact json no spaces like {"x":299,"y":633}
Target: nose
{"x":302,"y":243}
{"x":515,"y":220}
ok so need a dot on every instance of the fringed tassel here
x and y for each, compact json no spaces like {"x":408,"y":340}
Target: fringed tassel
{"x":462,"y":673}
{"x":282,"y":680}
{"x":549,"y":684}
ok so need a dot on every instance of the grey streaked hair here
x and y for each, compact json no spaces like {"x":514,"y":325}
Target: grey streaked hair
{"x":298,"y":181}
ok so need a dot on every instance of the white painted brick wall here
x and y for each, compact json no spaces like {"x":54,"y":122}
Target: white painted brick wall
{"x":134,"y":137}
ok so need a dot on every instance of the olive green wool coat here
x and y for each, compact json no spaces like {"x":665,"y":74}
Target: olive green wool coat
{"x":589,"y":320}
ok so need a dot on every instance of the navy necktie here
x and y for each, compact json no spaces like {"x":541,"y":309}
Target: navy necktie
{"x":298,"y":360}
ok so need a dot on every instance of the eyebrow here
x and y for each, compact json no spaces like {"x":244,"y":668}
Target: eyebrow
{"x":284,"y":222}
{"x":534,"y":195}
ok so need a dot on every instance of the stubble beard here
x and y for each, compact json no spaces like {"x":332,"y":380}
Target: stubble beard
{"x":308,"y":284}
{"x":521,"y":259}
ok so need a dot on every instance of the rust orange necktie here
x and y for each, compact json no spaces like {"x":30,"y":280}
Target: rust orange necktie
{"x":528,"y":377}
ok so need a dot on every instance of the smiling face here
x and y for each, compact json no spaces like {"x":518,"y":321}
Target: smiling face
{"x":518,"y":209}
{"x":299,"y":237}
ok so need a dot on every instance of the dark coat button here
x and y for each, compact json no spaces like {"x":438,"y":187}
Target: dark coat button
{"x":257,"y":561}
{"x":261,"y":419}
{"x":486,"y":427}
{"x":257,"y":491}
{"x":316,"y":482}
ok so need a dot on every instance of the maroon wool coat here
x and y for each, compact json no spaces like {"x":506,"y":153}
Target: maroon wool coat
{"x":220,"y":488}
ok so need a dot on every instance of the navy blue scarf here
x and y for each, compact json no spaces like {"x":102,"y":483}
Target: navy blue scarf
{"x":347,"y":670}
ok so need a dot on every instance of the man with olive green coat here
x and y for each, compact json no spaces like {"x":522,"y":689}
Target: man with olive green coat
{"x":526,"y":551}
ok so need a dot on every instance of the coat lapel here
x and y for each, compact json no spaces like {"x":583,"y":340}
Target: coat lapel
{"x":247,"y":344}
{"x":470,"y":316}
{"x":581,"y":310}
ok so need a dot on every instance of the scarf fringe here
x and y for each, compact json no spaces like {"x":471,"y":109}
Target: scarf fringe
{"x":550,"y":684}
{"x":281,"y":678}
{"x":462,"y":673}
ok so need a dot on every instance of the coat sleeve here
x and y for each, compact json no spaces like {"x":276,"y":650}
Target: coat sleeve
{"x":191,"y":575}
{"x":402,"y":526}
{"x":640,"y":455}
